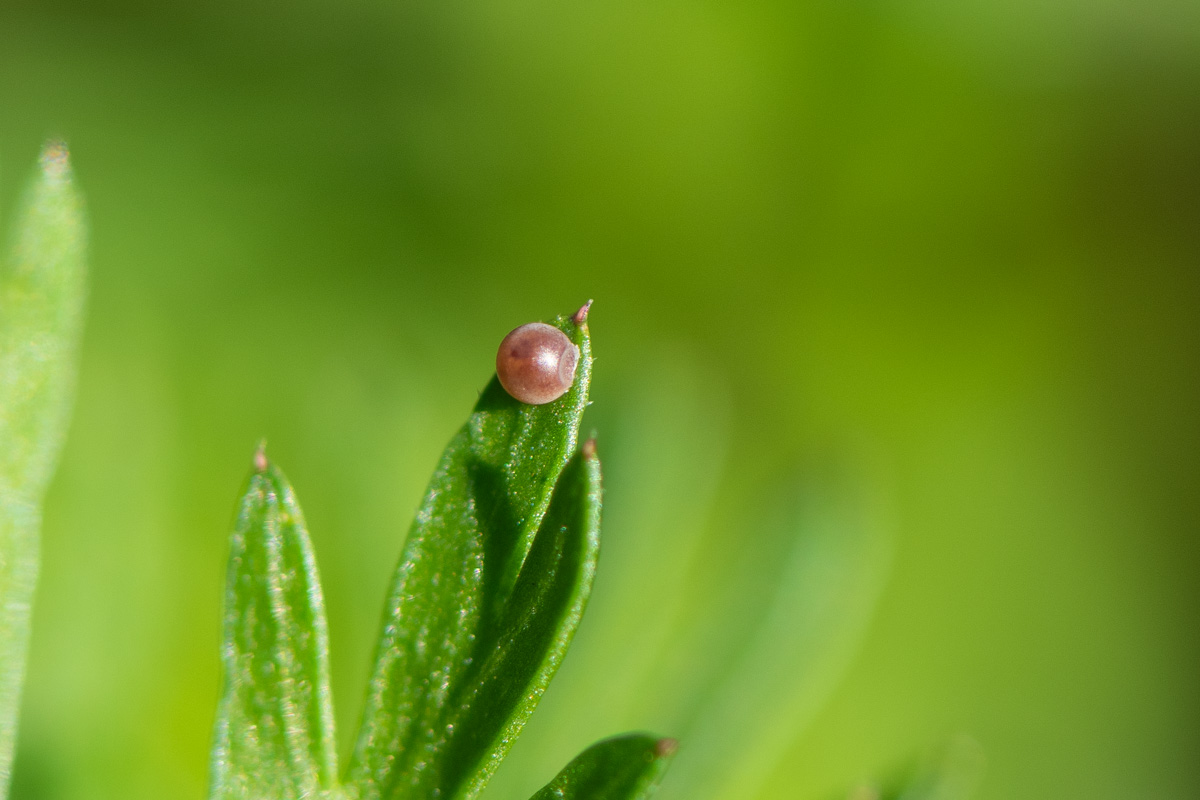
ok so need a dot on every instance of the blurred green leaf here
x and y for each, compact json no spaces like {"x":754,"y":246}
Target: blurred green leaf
{"x":823,"y":591}
{"x":953,"y":772}
{"x":622,"y":768}
{"x":41,"y":315}
{"x":274,"y":733}
{"x":473,"y":629}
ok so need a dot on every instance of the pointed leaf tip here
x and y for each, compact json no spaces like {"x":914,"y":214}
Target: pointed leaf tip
{"x":626,"y":767}
{"x":274,"y":732}
{"x":581,"y":315}
{"x":56,"y":160}
{"x":666,"y":747}
{"x":260,"y":457}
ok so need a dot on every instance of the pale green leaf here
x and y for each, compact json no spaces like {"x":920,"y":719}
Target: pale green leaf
{"x":824,"y":591}
{"x":42,"y":291}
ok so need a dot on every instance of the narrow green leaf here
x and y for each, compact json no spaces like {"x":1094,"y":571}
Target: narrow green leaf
{"x":835,"y":554}
{"x":274,"y":733}
{"x":41,"y":315}
{"x":473,"y":628}
{"x":622,"y":768}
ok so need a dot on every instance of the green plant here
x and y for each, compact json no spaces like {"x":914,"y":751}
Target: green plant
{"x":492,"y":584}
{"x":42,"y":290}
{"x":496,"y":571}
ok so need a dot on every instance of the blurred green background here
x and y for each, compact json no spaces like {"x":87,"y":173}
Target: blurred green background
{"x":897,"y":377}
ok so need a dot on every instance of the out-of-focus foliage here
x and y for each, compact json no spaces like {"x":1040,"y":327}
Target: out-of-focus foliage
{"x":939,"y":257}
{"x":42,"y":290}
{"x":953,"y":774}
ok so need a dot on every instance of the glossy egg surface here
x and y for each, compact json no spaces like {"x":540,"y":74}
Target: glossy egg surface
{"x":536,"y":363}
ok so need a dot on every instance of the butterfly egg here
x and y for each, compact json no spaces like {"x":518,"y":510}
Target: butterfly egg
{"x":536,"y":363}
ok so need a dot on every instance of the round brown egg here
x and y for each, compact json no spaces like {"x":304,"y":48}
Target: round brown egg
{"x":536,"y":363}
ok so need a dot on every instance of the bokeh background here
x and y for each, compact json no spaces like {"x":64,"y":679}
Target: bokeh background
{"x":897,"y":364}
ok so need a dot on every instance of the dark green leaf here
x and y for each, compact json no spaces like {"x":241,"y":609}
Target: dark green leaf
{"x":622,"y":768}
{"x":41,"y":314}
{"x":274,"y":734}
{"x":473,"y":628}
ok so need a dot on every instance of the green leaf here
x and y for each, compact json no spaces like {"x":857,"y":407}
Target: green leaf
{"x":489,"y":591}
{"x":953,"y":772}
{"x":274,"y":734}
{"x":41,"y":317}
{"x":623,"y":768}
{"x":823,"y":580}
